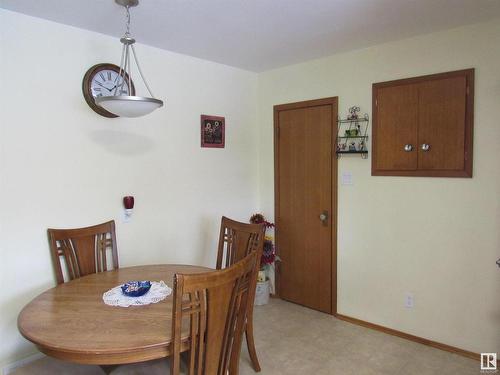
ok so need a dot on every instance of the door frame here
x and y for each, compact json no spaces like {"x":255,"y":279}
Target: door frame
{"x":333,"y":101}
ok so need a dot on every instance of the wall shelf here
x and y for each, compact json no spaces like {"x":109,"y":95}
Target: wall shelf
{"x":352,"y":152}
{"x":352,"y":136}
{"x":351,"y":120}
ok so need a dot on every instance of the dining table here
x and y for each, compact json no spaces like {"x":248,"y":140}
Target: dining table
{"x":71,"y":322}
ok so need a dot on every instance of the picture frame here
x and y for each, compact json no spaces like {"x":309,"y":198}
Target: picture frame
{"x":213,"y":131}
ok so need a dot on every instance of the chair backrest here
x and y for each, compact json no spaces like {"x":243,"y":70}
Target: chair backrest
{"x":83,"y":250}
{"x":214,"y":304}
{"x":237,"y":240}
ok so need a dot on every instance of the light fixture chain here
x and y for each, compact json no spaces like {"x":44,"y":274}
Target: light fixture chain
{"x":128,"y":20}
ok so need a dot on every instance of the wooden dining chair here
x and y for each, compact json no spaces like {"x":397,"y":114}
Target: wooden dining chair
{"x":214,"y":306}
{"x":83,"y":250}
{"x":236,"y":240}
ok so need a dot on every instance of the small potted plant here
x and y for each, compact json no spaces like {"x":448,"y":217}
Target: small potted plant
{"x":266,"y":263}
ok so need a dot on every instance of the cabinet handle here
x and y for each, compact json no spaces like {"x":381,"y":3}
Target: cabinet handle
{"x":324,"y":217}
{"x":425,"y":147}
{"x":408,"y":148}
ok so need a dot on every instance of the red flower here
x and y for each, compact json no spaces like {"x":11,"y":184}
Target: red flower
{"x":259,"y":219}
{"x":268,"y":254}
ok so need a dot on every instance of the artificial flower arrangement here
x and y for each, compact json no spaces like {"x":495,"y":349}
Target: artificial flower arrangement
{"x":269,"y":252}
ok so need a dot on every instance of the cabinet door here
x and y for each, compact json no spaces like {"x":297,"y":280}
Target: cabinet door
{"x":441,"y":129}
{"x":434,"y":116}
{"x":396,"y":121}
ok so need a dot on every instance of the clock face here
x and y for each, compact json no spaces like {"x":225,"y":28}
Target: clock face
{"x":104,"y":80}
{"x":107,"y":82}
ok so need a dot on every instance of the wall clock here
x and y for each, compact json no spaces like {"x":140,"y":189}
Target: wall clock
{"x":102,"y":80}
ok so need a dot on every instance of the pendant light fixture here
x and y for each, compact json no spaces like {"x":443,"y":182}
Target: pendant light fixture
{"x":126,"y":105}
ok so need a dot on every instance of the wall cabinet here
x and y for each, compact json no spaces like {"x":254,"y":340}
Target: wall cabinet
{"x":422,"y":126}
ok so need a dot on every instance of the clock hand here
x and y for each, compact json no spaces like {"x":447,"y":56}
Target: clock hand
{"x":100,"y":84}
{"x":118,"y":84}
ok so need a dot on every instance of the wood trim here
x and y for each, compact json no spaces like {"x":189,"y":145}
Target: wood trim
{"x":421,"y":173}
{"x":374,"y":129}
{"x":430,"y":77}
{"x":469,"y":125}
{"x":335,"y":191}
{"x":276,"y":197}
{"x":407,"y":336}
{"x":308,"y":103}
{"x":333,"y":101}
{"x":469,"y":122}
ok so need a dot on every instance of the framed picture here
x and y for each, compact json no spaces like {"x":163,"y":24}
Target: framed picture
{"x":213,"y":129}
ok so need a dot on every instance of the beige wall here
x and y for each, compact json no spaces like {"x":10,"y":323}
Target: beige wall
{"x":434,"y":237}
{"x":62,"y":165}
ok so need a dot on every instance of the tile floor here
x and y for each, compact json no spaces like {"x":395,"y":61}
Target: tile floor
{"x":291,"y":339}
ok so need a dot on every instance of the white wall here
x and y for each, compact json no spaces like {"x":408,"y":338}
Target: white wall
{"x":435,"y":237}
{"x":62,"y":165}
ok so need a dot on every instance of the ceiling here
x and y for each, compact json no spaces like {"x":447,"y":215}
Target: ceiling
{"x":259,"y":35}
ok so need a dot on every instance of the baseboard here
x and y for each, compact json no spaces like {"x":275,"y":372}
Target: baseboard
{"x":420,"y":340}
{"x":12,"y":366}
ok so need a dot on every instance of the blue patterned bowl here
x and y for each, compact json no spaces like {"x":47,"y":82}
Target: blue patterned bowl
{"x":136,"y":288}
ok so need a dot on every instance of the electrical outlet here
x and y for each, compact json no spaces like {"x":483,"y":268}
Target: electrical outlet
{"x":409,"y":300}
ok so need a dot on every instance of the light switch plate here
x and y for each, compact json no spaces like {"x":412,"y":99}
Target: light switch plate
{"x":409,"y":300}
{"x":346,"y":178}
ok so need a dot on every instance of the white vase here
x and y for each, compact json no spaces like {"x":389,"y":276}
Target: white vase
{"x":262,"y":293}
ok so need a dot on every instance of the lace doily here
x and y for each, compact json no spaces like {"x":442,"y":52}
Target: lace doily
{"x":158,"y":292}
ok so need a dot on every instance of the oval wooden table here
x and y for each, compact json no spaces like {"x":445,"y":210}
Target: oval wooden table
{"x":71,"y":322}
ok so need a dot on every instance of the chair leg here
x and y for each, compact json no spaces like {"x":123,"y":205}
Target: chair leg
{"x":250,"y":341}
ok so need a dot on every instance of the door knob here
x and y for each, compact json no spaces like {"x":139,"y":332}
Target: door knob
{"x":425,"y":147}
{"x":408,"y":148}
{"x":324,"y":217}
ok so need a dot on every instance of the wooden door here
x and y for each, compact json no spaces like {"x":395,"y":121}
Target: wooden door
{"x":397,"y":123}
{"x":305,"y":187}
{"x":441,"y":131}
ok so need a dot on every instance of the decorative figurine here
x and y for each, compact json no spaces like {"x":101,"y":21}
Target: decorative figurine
{"x":352,"y":146}
{"x":351,"y":132}
{"x":353,"y":113}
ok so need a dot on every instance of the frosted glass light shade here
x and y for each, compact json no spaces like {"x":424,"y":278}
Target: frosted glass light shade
{"x":129,"y":106}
